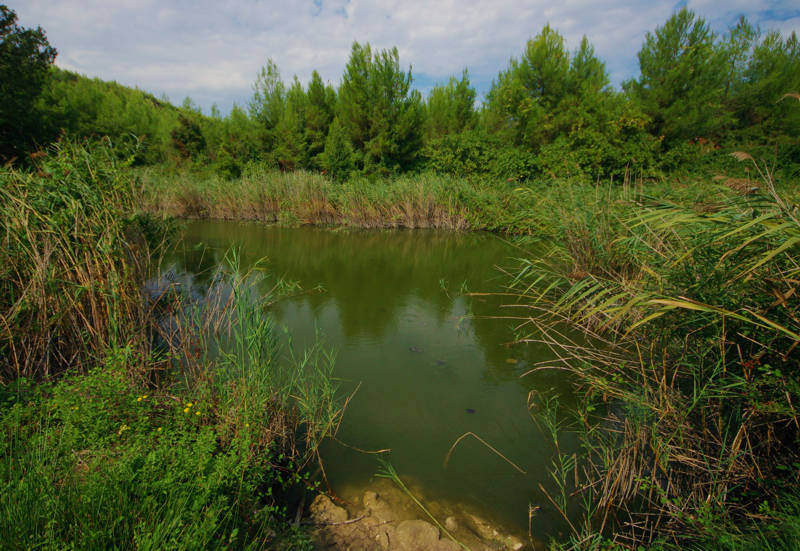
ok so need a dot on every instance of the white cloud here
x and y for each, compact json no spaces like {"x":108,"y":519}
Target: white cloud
{"x":213,"y":49}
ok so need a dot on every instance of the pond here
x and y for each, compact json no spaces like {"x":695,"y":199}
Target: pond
{"x":430,"y":362}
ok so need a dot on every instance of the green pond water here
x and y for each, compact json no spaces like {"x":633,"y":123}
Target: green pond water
{"x":430,"y":362}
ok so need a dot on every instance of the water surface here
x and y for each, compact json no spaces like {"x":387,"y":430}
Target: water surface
{"x":431,"y":362}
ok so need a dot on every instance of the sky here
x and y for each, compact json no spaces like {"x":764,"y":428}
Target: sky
{"x":212,"y":51}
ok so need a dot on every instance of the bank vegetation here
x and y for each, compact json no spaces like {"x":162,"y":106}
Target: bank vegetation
{"x":669,"y":210}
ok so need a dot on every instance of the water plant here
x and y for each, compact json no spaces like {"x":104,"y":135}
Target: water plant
{"x":109,"y":443}
{"x":73,"y":254}
{"x":425,"y":200}
{"x":688,"y":420}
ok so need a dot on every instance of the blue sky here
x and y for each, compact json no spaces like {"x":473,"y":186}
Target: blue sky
{"x":212,"y":50}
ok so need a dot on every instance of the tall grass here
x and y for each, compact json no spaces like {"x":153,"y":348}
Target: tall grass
{"x":410,"y":201}
{"x":98,"y":462}
{"x":690,"y":383}
{"x":226,"y":346}
{"x":107,"y":443}
{"x":72,"y":256}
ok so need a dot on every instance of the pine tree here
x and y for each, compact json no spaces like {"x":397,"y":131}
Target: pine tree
{"x":380,"y":113}
{"x":338,"y":159}
{"x":319,"y":114}
{"x":451,"y":108}
{"x":290,"y":149}
{"x":268,"y":102}
{"x":682,"y":80}
{"x":522,"y":102}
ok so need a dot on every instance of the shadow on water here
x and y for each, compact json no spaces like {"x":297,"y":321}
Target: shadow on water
{"x":431,"y":362}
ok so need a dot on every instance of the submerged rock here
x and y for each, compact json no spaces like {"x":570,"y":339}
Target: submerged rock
{"x":383,"y":517}
{"x":323,"y":510}
{"x":378,"y":507}
{"x":489,"y":533}
{"x":415,"y":349}
{"x":447,"y":545}
{"x":451,"y":523}
{"x":417,"y":535}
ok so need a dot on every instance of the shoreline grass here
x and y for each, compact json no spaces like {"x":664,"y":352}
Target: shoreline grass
{"x":102,"y":443}
{"x":688,"y":416}
{"x":424,"y":200}
{"x":294,"y":198}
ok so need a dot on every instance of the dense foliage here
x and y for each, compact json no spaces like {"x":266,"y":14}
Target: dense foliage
{"x":25,"y":56}
{"x":550,"y":112}
{"x":114,"y":431}
{"x":688,"y":421}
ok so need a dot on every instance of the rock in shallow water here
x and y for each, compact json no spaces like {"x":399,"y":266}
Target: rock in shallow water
{"x":447,"y":545}
{"x":323,"y":510}
{"x":489,"y":534}
{"x":387,"y":519}
{"x":377,"y":507}
{"x":417,"y":535}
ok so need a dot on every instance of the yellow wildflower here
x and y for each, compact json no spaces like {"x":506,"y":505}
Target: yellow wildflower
{"x":197,"y":413}
{"x":159,"y":429}
{"x":186,"y":410}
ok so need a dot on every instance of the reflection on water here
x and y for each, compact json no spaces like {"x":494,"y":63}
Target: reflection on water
{"x":394,"y":310}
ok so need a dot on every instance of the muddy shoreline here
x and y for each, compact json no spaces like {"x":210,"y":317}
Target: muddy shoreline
{"x":381,"y":516}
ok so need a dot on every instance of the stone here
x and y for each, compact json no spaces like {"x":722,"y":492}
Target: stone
{"x":382,"y":539}
{"x":446,"y":544}
{"x":451,"y":524}
{"x":488,"y":533}
{"x":391,"y":536}
{"x":324,"y":511}
{"x":370,"y":499}
{"x":485,"y":530}
{"x":417,"y":535}
{"x":378,"y":507}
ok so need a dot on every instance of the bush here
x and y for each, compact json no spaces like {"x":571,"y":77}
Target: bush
{"x":476,"y":153}
{"x":100,"y":463}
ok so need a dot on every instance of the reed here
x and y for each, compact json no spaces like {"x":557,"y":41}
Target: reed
{"x":72,"y":257}
{"x":410,"y":201}
{"x":107,"y":442}
{"x":226,"y":346}
{"x":687,"y":367}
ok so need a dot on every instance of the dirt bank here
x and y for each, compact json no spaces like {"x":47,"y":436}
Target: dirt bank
{"x":383,"y":517}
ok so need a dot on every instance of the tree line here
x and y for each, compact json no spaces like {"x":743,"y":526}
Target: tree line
{"x":550,"y":111}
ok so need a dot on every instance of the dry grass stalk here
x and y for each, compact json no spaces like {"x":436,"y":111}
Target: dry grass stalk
{"x":668,"y":443}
